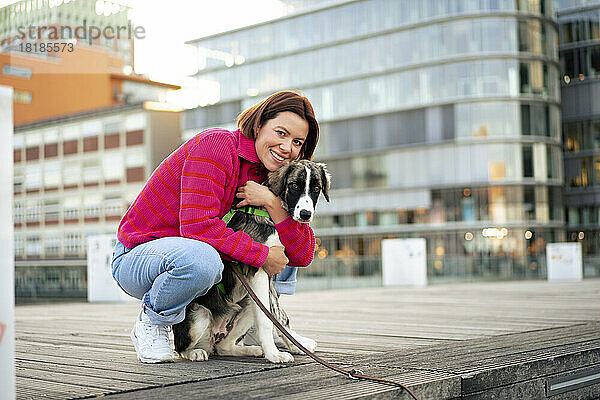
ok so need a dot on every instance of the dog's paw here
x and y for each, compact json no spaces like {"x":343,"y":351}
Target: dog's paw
{"x":194,"y":355}
{"x":310,"y":344}
{"x":279,"y":357}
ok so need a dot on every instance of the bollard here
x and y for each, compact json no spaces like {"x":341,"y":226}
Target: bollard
{"x":404,"y":262}
{"x":7,"y":265}
{"x":101,"y":285}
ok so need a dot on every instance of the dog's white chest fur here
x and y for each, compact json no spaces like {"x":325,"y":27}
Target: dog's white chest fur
{"x":273,"y":240}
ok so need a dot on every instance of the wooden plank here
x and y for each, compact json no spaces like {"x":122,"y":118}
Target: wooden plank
{"x":33,"y":389}
{"x":96,"y":370}
{"x":87,"y":381}
{"x":466,"y":352}
{"x":310,"y":382}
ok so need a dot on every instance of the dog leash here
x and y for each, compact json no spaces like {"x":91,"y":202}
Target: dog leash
{"x":352,"y":374}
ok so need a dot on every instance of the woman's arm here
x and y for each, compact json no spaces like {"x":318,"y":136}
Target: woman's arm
{"x":206,"y":184}
{"x":298,"y":238}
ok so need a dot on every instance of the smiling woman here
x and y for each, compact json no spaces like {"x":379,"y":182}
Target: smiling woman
{"x":172,"y":238}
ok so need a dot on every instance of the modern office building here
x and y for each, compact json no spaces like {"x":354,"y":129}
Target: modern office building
{"x":579,"y":50}
{"x":75,"y":176}
{"x":439,"y":120}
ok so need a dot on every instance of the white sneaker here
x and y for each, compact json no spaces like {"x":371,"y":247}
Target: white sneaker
{"x":151,"y":342}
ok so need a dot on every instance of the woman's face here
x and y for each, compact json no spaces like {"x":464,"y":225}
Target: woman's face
{"x":280,"y":139}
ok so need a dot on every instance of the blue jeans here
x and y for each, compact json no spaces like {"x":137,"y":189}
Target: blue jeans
{"x":168,"y":273}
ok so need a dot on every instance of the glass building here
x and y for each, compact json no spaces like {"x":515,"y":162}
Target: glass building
{"x":439,"y":120}
{"x":579,"y":26}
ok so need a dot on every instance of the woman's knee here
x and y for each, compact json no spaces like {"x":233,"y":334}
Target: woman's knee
{"x":202,"y":262}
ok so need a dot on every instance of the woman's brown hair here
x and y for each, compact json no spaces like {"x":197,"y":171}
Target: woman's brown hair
{"x":253,"y":118}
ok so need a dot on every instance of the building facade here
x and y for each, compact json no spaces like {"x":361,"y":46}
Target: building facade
{"x":63,"y":57}
{"x":579,"y":26}
{"x":439,"y":120}
{"x":75,"y":176}
{"x":43,"y":16}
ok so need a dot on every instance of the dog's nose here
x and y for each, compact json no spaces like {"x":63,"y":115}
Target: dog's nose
{"x":304,"y":214}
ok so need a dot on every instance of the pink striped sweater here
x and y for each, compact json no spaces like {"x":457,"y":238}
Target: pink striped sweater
{"x":191,"y":190}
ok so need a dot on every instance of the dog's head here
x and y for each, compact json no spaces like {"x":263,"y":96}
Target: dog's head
{"x":298,"y":185}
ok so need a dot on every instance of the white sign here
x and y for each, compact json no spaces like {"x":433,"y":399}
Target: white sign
{"x":564,"y":261}
{"x":101,"y":285}
{"x":7,"y":265}
{"x":404,"y":262}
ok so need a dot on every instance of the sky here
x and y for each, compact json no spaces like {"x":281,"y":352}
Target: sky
{"x":162,"y":54}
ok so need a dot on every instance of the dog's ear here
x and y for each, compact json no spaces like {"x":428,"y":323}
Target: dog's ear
{"x":277,"y":180}
{"x":326,"y":179}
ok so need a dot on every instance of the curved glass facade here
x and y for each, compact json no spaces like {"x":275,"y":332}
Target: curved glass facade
{"x":439,"y":119}
{"x":448,"y":41}
{"x":347,"y":22}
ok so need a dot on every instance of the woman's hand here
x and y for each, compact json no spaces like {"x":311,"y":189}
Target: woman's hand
{"x":254,"y":194}
{"x":276,"y":260}
{"x":257,"y":195}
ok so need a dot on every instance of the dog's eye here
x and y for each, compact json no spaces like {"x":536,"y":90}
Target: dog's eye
{"x":294,"y":186}
{"x":316,"y":189}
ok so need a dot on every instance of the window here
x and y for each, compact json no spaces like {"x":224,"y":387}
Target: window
{"x":71,"y":174}
{"x":535,"y":119}
{"x":52,"y":242}
{"x":529,"y":203}
{"x":51,"y":210}
{"x":594,"y":69}
{"x":33,"y":174}
{"x":91,"y":171}
{"x":33,"y":245}
{"x":13,"y":70}
{"x":527,"y":162}
{"x":112,"y":166}
{"x":51,"y":174}
{"x":114,"y":205}
{"x":19,"y":245}
{"x":92,"y":205}
{"x":111,"y":127}
{"x":369,"y":171}
{"x":19,"y":216}
{"x":71,"y":206}
{"x":72,"y":242}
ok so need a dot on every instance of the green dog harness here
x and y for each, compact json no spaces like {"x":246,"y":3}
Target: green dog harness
{"x":227,"y":217}
{"x":246,"y":209}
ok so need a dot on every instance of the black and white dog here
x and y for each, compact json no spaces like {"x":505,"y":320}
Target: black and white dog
{"x":218,"y":321}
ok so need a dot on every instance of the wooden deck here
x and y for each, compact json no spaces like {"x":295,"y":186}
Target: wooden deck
{"x":515,"y":340}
